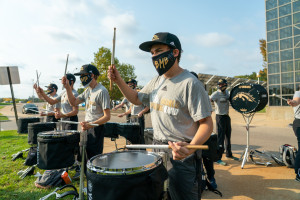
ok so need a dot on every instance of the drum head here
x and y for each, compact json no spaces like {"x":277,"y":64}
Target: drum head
{"x":127,"y":162}
{"x":248,"y":98}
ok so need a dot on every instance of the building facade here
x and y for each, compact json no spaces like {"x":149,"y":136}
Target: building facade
{"x":283,"y":49}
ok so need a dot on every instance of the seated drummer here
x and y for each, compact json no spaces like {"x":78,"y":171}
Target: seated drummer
{"x":97,"y":107}
{"x":50,"y":109}
{"x":136,"y":111}
{"x":68,"y":112}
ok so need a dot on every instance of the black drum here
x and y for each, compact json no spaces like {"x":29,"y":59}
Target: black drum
{"x":110,"y":130}
{"x":127,"y":175}
{"x":248,"y":98}
{"x":22,"y":123}
{"x":37,"y":127}
{"x":131,"y":131}
{"x":57,"y":149}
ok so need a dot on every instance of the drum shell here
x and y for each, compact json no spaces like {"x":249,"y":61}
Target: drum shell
{"x":110,"y":130}
{"x":58,"y":151}
{"x":143,"y":185}
{"x":22,"y":123}
{"x":130,"y":131}
{"x":248,"y":98}
{"x":38,"y":127}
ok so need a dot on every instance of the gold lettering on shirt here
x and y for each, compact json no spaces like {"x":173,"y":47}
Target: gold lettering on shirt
{"x":165,"y":102}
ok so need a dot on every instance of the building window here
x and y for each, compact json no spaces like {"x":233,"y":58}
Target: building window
{"x":273,"y":57}
{"x":282,"y":2}
{"x":271,"y":36}
{"x":274,"y":89}
{"x":285,"y":10}
{"x":273,"y":46}
{"x":273,"y":68}
{"x":297,"y":76}
{"x":287,"y":77}
{"x":274,"y":101}
{"x":288,"y":89}
{"x":286,"y":44}
{"x":297,"y":53}
{"x":296,"y":6}
{"x":287,"y":66}
{"x":297,"y":18}
{"x":297,"y":65}
{"x":284,"y":21}
{"x":274,"y":79}
{"x":297,"y":41}
{"x":286,"y":55}
{"x":271,"y":4}
{"x":271,"y":14}
{"x":286,"y":32}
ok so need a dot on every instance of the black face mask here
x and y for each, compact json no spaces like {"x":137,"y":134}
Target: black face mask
{"x":86,"y":80}
{"x":132,"y":86}
{"x":163,"y":62}
{"x":50,"y":90}
{"x":222,"y":88}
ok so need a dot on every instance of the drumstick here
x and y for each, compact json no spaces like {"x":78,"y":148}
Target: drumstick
{"x":146,"y":146}
{"x":66,"y":67}
{"x":32,"y":110}
{"x":113,"y":56}
{"x":71,"y":122}
{"x":49,"y":111}
{"x":37,"y":78}
{"x":274,"y":95}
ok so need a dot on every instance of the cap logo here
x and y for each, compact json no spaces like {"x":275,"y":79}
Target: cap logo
{"x":155,"y":37}
{"x":172,"y":43}
{"x":81,"y":69}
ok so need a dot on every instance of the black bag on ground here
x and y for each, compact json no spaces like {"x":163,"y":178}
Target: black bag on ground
{"x":288,"y":154}
{"x":212,"y":152}
{"x":50,"y":178}
{"x":31,"y":157}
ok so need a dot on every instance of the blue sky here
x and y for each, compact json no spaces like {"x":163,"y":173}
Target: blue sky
{"x":218,"y":37}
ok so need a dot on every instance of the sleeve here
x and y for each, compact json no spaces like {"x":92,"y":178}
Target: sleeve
{"x":199,"y":105}
{"x":83,"y":95}
{"x":213,"y":96}
{"x":144,"y":95}
{"x":297,"y":94}
{"x":104,"y":99}
{"x":58,"y":98}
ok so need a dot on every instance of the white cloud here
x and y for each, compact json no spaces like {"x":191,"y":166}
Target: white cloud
{"x":214,"y":40}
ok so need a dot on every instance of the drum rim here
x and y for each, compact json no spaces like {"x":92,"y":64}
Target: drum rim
{"x":123,"y":171}
{"x":44,"y":134}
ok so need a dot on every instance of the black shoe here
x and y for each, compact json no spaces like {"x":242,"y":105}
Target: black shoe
{"x":232,"y":157}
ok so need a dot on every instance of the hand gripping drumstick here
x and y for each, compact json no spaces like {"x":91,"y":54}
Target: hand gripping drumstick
{"x":274,"y":95}
{"x":145,"y":146}
{"x":113,"y":56}
{"x":71,"y":122}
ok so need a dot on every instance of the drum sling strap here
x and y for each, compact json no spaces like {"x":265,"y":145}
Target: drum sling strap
{"x":199,"y":168}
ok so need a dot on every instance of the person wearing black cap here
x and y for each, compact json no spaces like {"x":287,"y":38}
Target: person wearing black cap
{"x":136,"y":112}
{"x":179,"y":117}
{"x":97,"y":107}
{"x":221,"y":101}
{"x":50,"y":109}
{"x":67,"y":112}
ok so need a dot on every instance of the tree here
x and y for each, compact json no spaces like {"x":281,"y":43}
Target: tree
{"x":102,"y":59}
{"x":80,"y":90}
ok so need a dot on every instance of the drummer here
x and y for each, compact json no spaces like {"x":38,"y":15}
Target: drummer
{"x":97,"y":107}
{"x":68,"y":112}
{"x":178,"y":116}
{"x":136,"y":112}
{"x":50,"y":109}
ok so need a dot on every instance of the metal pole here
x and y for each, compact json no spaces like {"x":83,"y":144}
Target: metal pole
{"x":12,"y":94}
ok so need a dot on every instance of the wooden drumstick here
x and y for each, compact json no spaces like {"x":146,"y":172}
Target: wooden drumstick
{"x":146,"y":146}
{"x":274,"y":95}
{"x":113,"y":56}
{"x":72,"y":122}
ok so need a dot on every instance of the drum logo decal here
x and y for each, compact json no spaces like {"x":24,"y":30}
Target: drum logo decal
{"x":244,"y":96}
{"x":90,"y":187}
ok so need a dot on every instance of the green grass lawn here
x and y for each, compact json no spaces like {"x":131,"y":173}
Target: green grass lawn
{"x":11,"y":186}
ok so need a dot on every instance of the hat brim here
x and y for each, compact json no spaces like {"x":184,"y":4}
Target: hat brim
{"x":78,"y":74}
{"x":146,"y":46}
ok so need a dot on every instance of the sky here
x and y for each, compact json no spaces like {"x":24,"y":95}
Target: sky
{"x":217,"y":37}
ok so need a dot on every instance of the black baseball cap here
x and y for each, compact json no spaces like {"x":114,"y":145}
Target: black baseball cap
{"x":162,"y":38}
{"x":222,"y":81}
{"x":132,"y":81}
{"x":52,"y":86}
{"x":89,"y":68}
{"x":71,"y":77}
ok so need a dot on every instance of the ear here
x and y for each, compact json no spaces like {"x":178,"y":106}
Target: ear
{"x":175,"y":52}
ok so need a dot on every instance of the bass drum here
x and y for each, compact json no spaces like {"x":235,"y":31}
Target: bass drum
{"x":57,"y":149}
{"x":35,"y":128}
{"x":248,"y":98}
{"x":127,"y":175}
{"x":22,"y":123}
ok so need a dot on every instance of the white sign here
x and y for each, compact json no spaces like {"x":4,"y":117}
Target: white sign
{"x":14,"y":74}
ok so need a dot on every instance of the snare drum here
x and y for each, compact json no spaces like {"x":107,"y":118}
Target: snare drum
{"x":131,"y":131}
{"x":110,"y":130}
{"x":38,"y":127}
{"x":126,"y":175}
{"x":22,"y":123}
{"x":56,"y":149}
